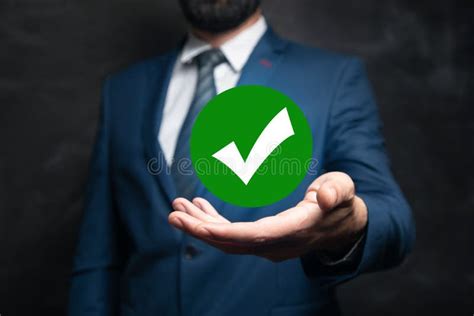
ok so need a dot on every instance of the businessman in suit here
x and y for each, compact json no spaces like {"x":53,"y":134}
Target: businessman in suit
{"x":149,"y":246}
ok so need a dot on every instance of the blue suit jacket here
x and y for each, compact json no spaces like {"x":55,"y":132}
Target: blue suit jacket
{"x":130,"y":261}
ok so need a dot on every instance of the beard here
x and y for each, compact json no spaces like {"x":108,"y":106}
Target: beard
{"x":217,"y":16}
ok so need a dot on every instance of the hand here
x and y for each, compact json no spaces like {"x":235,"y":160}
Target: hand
{"x":330,"y":218}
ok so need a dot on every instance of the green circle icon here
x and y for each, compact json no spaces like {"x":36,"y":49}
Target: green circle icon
{"x":251,"y":146}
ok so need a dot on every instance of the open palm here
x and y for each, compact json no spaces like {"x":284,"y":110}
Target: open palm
{"x":324,"y":219}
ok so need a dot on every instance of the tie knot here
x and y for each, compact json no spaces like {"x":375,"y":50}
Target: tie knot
{"x":210,"y":58}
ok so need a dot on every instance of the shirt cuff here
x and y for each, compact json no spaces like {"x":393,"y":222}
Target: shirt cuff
{"x":330,"y":261}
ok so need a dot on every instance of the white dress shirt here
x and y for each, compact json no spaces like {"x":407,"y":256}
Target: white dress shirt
{"x":184,"y":79}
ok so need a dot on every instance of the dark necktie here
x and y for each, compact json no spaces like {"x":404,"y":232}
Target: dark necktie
{"x":182,"y":171}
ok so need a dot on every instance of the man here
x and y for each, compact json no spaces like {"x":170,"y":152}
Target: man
{"x":214,"y":258}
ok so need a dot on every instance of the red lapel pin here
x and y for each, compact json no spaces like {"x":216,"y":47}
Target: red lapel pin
{"x":265,"y":62}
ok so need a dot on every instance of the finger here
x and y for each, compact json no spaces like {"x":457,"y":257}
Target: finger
{"x":188,"y":224}
{"x":316,"y":184}
{"x":335,"y":191}
{"x":204,"y":205}
{"x":183,"y":205}
{"x":207,"y":207}
{"x":311,"y":206}
{"x":193,"y":226}
{"x":311,"y":196}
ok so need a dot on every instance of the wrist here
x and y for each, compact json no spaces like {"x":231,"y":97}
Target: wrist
{"x":354,"y":233}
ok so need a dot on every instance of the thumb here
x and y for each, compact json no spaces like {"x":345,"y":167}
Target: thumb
{"x":336,"y":191}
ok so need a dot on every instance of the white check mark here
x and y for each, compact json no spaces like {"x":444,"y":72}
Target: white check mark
{"x":275,"y":133}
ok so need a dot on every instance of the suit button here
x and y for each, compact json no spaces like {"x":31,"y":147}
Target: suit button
{"x":190,"y":252}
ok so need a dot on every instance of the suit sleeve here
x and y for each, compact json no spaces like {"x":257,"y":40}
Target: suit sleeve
{"x":355,"y":145}
{"x":96,"y":266}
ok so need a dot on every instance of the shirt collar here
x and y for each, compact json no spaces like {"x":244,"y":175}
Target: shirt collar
{"x":237,"y":50}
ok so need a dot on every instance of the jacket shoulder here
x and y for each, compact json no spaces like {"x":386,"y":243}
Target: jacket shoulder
{"x":325,"y":60}
{"x":128,"y":91}
{"x":140,"y":71}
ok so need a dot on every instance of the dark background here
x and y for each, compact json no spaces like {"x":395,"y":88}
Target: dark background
{"x":55,"y":53}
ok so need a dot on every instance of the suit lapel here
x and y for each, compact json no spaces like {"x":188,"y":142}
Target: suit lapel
{"x":264,"y":59}
{"x":158,"y":87}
